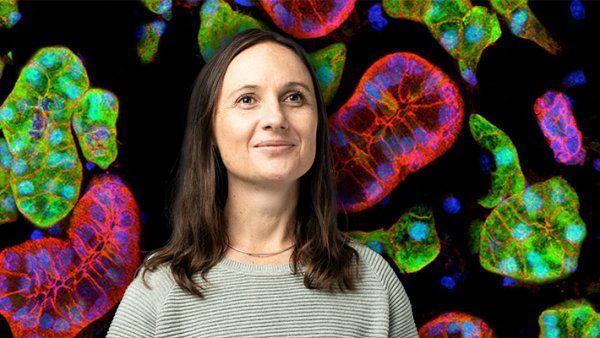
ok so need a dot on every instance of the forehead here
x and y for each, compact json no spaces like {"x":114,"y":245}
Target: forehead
{"x":265,"y":64}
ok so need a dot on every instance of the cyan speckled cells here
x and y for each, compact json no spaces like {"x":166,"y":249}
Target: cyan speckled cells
{"x":571,"y":318}
{"x":535,"y":235}
{"x":219,"y":23}
{"x":46,"y":186}
{"x":412,"y":242}
{"x":8,"y":209}
{"x":36,"y":121}
{"x":94,"y":122}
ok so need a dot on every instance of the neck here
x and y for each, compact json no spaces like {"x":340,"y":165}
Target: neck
{"x":261,"y":219}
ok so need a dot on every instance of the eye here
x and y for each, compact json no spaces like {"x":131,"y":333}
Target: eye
{"x":241,"y":99}
{"x":299,"y":95}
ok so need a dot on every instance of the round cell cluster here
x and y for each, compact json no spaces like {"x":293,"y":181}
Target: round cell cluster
{"x":52,"y":94}
{"x":308,"y":18}
{"x":52,"y":287}
{"x":456,"y":324}
{"x":412,"y":242}
{"x":554,"y":114}
{"x":536,"y":235}
{"x":404,"y":113}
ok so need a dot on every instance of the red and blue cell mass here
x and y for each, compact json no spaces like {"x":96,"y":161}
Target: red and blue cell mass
{"x":404,"y":113}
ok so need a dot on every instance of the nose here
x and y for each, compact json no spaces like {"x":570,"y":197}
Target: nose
{"x":274,"y":116}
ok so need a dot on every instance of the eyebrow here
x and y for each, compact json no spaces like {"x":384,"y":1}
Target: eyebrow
{"x":287,"y":85}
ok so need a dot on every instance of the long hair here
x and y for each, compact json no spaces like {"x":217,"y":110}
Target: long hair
{"x":196,"y":208}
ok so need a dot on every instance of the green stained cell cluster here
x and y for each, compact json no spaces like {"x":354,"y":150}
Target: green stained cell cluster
{"x":534,"y":233}
{"x":148,"y":40}
{"x":9,"y":13}
{"x":94,"y":123}
{"x":507,"y":178}
{"x":160,"y":7}
{"x":572,"y":318}
{"x":36,"y":118}
{"x":8,"y":209}
{"x":523,"y":23}
{"x":463,"y":30}
{"x":412,"y":241}
{"x":328,"y":64}
{"x":219,"y":23}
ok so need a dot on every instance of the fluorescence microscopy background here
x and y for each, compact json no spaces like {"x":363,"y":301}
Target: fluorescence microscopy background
{"x":512,"y":73}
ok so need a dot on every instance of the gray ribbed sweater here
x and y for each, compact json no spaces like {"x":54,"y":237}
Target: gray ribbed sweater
{"x":246,"y":300}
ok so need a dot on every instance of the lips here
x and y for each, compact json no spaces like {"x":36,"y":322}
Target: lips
{"x":274,"y":143}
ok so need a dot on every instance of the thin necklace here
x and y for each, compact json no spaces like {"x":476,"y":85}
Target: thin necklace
{"x":261,"y":254}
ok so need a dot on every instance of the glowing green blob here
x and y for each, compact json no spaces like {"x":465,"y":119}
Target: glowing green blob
{"x":8,"y":208}
{"x":149,"y":38}
{"x":539,"y":244}
{"x":328,"y":64}
{"x":572,"y":318}
{"x":94,"y":123}
{"x":46,"y":173}
{"x":412,"y":242}
{"x":219,"y":23}
{"x":508,"y":178}
{"x":523,"y":23}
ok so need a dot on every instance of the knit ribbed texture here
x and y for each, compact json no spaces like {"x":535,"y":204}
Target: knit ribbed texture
{"x":246,"y":300}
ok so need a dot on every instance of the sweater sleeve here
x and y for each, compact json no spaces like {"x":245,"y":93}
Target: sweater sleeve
{"x":402,"y":323}
{"x":139,"y":308}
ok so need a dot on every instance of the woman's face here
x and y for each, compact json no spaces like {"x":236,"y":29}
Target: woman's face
{"x":266,"y":95}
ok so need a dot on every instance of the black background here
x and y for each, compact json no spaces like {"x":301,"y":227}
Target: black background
{"x":512,"y":74}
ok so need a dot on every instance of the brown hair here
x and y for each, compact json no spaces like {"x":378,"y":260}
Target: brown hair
{"x":199,"y":237}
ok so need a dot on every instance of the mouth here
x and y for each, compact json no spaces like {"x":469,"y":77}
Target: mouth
{"x":276,"y":149}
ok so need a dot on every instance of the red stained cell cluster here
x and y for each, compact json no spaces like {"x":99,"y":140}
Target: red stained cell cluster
{"x":55,"y":287}
{"x":404,"y":113}
{"x":555,"y":117}
{"x":308,"y":18}
{"x":456,"y":324}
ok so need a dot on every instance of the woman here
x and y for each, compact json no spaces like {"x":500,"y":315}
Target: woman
{"x":255,"y":225}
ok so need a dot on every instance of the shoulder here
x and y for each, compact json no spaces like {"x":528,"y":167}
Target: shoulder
{"x":154,"y":285}
{"x":375,"y":264}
